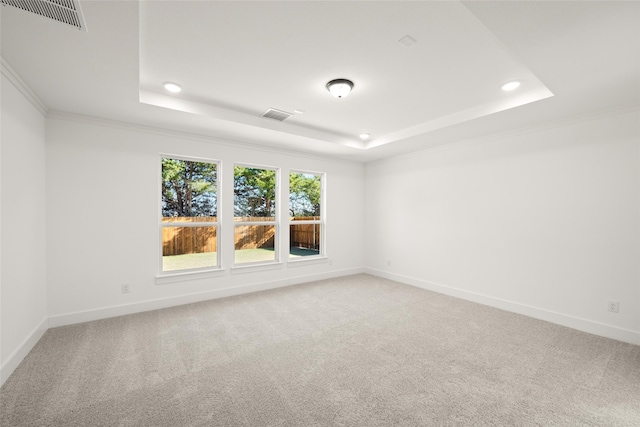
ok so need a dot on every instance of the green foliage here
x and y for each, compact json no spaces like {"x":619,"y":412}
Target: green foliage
{"x":188,"y":188}
{"x":304,"y":194}
{"x":254,"y":192}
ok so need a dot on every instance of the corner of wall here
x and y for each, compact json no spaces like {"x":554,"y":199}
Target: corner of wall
{"x":26,"y":91}
{"x":24,"y":316}
{"x":23,"y":350}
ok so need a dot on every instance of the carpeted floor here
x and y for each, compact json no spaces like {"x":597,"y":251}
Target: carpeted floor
{"x":352,"y":351}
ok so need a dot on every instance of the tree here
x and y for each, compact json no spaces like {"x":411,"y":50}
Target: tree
{"x":188,"y":188}
{"x":304,"y":194}
{"x":254,"y":192}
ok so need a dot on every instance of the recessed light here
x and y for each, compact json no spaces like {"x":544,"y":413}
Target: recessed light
{"x":365,"y":136}
{"x":172,"y":87}
{"x":407,"y":41}
{"x":298,"y":111}
{"x":510,"y":86}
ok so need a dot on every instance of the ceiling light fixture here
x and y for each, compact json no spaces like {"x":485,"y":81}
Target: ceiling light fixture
{"x":340,"y":88}
{"x":364,"y":136}
{"x":510,"y":86}
{"x":172,"y":87}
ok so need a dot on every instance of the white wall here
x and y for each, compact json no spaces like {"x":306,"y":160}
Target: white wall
{"x":103,"y":204}
{"x":23,"y":284}
{"x":544,"y":223}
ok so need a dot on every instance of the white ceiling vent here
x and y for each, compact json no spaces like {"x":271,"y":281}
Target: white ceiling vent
{"x":65,"y":11}
{"x":278,"y":115}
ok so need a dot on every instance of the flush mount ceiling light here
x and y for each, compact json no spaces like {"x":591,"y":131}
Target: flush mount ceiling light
{"x":340,"y":88}
{"x":510,"y":86}
{"x":364,"y":136}
{"x":172,"y":87}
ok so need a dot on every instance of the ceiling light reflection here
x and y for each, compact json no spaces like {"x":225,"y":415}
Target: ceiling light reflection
{"x":172,"y":87}
{"x":510,"y":86}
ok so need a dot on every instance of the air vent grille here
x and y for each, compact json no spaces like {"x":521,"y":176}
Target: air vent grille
{"x":65,"y":11}
{"x":278,"y":115}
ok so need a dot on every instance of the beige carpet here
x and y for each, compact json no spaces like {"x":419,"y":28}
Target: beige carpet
{"x":353,"y":351}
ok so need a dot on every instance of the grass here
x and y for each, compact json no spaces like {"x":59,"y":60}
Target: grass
{"x":298,"y":252}
{"x":208,"y":259}
{"x":186,"y":261}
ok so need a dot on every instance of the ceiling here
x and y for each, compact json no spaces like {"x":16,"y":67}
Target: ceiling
{"x":236,"y":59}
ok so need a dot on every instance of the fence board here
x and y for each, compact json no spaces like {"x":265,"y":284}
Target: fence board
{"x":254,"y":236}
{"x":305,"y":236}
{"x":190,"y":240}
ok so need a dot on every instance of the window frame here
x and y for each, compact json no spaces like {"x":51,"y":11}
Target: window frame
{"x":275,"y":223}
{"x":190,"y":224}
{"x":322,"y":221}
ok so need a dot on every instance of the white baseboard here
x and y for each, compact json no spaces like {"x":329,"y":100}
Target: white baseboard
{"x":584,"y":325}
{"x":23,"y":349}
{"x":121,"y":310}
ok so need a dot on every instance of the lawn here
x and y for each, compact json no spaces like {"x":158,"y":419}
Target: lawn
{"x":208,"y":259}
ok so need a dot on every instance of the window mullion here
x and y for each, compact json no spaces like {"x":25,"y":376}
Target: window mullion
{"x":189,"y":224}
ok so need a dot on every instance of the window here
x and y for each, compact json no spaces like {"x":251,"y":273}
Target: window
{"x":254,"y":205}
{"x":189,"y":224}
{"x":306,"y":226}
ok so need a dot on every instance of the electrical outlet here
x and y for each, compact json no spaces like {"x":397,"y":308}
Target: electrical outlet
{"x":614,"y":306}
{"x":125,"y":288}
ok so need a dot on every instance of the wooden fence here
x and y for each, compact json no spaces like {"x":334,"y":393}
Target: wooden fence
{"x":305,"y":235}
{"x":254,"y":236}
{"x":190,"y":240}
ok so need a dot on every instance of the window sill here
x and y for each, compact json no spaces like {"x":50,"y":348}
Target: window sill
{"x":188,"y":275}
{"x":302,"y":261}
{"x":250,"y":268}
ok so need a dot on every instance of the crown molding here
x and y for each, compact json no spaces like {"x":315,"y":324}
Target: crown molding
{"x":541,"y":127}
{"x":20,"y":84}
{"x":247,"y":145}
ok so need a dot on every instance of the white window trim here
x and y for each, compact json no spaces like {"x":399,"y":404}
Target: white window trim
{"x":312,"y":259}
{"x":251,"y":267}
{"x":192,"y":273}
{"x":322,"y":255}
{"x":246,"y":266}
